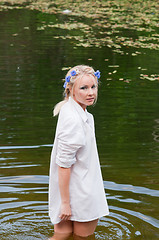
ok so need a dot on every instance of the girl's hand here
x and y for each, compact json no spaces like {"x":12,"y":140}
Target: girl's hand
{"x":65,"y":211}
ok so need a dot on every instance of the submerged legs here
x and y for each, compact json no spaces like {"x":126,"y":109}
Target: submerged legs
{"x":68,"y":230}
{"x":67,"y":236}
{"x":84,"y":229}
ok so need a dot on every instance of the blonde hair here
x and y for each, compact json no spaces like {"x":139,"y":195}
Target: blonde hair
{"x":80,"y":70}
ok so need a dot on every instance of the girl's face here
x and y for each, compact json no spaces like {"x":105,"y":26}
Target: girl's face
{"x":85,"y":91}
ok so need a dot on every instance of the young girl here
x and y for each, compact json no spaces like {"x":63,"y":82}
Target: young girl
{"x":76,"y":193}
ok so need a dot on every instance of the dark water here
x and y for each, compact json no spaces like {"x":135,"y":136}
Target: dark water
{"x":32,"y":65}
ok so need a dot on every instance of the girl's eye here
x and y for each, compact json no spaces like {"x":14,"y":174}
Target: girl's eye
{"x":83,"y":88}
{"x":86,"y":87}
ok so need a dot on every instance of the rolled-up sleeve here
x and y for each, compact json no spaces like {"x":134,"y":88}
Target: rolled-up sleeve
{"x":70,"y":139}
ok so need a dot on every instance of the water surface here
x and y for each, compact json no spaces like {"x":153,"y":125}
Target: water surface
{"x":32,"y":64}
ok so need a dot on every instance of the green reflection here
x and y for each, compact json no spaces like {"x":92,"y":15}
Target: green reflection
{"x":32,"y":66}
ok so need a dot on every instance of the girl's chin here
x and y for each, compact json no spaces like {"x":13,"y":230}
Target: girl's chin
{"x":90,"y":103}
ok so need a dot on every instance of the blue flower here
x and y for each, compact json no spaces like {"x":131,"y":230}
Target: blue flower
{"x":97,"y":74}
{"x":67,"y":79}
{"x":65,"y":83}
{"x":73,"y":73}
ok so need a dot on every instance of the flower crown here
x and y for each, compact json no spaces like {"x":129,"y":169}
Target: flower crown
{"x":74,"y":73}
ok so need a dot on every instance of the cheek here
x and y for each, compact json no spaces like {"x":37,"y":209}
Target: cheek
{"x":82,"y":95}
{"x":96,"y":91}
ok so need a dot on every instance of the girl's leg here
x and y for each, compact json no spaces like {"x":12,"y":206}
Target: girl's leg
{"x":64,"y":227}
{"x":62,"y":236}
{"x":90,"y":237}
{"x":84,"y":229}
{"x":63,"y":230}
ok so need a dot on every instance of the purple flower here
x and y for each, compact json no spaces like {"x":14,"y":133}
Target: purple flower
{"x":73,"y":73}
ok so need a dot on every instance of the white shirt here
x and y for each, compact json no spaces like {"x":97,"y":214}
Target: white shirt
{"x":75,"y":147}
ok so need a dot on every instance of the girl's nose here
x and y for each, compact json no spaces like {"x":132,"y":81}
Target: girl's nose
{"x":90,"y":92}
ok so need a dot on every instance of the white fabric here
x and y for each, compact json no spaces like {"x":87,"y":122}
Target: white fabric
{"x":75,"y":147}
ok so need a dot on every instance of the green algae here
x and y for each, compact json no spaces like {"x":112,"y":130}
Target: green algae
{"x":101,"y":23}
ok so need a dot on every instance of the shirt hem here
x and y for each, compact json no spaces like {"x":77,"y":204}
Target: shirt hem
{"x":83,"y":220}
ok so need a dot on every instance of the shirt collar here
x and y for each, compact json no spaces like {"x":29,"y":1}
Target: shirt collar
{"x":79,"y":109}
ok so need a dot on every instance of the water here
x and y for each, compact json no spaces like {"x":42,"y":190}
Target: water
{"x":32,"y":64}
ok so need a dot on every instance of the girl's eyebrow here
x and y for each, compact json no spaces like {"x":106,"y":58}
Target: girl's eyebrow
{"x":85,"y":85}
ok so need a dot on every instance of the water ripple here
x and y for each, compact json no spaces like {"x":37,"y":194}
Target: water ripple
{"x":39,"y":179}
{"x":150,"y":220}
{"x":24,"y":147}
{"x":130,"y":188}
{"x":21,"y":217}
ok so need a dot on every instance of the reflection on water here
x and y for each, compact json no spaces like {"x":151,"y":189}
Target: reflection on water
{"x":155,"y":133}
{"x":24,"y":147}
{"x":58,"y":236}
{"x":32,"y":64}
{"x":24,"y":207}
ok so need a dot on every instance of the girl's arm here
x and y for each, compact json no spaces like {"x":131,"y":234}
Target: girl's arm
{"x":64,"y":180}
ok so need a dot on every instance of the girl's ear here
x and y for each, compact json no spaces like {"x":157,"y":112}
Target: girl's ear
{"x":71,"y":90}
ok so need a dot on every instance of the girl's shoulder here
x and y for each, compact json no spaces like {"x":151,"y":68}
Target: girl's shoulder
{"x":68,"y":113}
{"x":69,"y":122}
